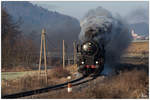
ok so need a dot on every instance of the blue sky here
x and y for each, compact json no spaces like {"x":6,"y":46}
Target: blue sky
{"x":78,"y":9}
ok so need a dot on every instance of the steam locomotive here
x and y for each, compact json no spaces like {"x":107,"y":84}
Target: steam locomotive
{"x":90,"y":58}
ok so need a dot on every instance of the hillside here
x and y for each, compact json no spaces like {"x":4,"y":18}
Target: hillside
{"x":34,"y":18}
{"x":138,"y":20}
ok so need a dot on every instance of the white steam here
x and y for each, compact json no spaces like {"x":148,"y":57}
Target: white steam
{"x":110,"y":31}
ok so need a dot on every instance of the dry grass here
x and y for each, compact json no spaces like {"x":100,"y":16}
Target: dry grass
{"x":24,"y":84}
{"x":28,"y":82}
{"x":138,"y":47}
{"x":72,"y":69}
{"x":59,"y":72}
{"x":128,"y":84}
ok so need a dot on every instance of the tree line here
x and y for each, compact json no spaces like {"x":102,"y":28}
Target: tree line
{"x":17,"y":49}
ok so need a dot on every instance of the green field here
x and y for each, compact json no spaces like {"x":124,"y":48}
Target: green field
{"x":15,"y":75}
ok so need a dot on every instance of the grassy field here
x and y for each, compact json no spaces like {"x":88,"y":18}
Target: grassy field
{"x":14,"y":82}
{"x":16,"y":75}
{"x":138,"y":47}
{"x":124,"y":86}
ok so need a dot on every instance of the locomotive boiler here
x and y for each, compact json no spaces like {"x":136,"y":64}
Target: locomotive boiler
{"x":90,"y":58}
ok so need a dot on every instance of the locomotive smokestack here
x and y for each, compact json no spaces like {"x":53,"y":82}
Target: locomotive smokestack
{"x":110,"y":31}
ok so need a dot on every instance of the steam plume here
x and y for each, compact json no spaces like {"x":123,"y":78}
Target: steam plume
{"x":111,"y":31}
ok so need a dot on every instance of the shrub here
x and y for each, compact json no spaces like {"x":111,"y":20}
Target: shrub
{"x":59,"y":72}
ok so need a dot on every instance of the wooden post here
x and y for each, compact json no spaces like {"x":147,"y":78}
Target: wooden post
{"x":43,"y":43}
{"x":40,"y":55}
{"x":68,"y":61}
{"x":45,"y":58}
{"x":74,"y":49}
{"x":63,"y":54}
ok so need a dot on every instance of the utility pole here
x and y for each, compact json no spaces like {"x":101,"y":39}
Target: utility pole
{"x":43,"y":45}
{"x":74,"y":49}
{"x":68,"y":61}
{"x":63,"y":54}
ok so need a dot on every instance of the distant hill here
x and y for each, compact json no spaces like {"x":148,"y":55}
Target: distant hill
{"x":34,"y":18}
{"x":138,"y":20}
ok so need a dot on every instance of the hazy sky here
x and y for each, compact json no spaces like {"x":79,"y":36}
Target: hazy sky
{"x":78,"y":9}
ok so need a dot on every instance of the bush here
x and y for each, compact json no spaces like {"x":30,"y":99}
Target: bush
{"x":59,"y":72}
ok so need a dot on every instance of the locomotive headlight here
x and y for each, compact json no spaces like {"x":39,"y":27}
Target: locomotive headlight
{"x":82,"y":62}
{"x":85,"y":47}
{"x":96,"y":62}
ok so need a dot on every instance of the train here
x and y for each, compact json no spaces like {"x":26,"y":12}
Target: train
{"x":90,"y":58}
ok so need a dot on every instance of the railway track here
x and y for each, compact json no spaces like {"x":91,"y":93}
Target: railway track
{"x":74,"y":82}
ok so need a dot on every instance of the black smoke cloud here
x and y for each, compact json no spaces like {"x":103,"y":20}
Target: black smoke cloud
{"x":111,"y":31}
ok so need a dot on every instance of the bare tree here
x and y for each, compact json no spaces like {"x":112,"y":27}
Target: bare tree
{"x":17,"y":49}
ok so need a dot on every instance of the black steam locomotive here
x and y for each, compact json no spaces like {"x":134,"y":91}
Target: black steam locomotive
{"x":90,"y":58}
